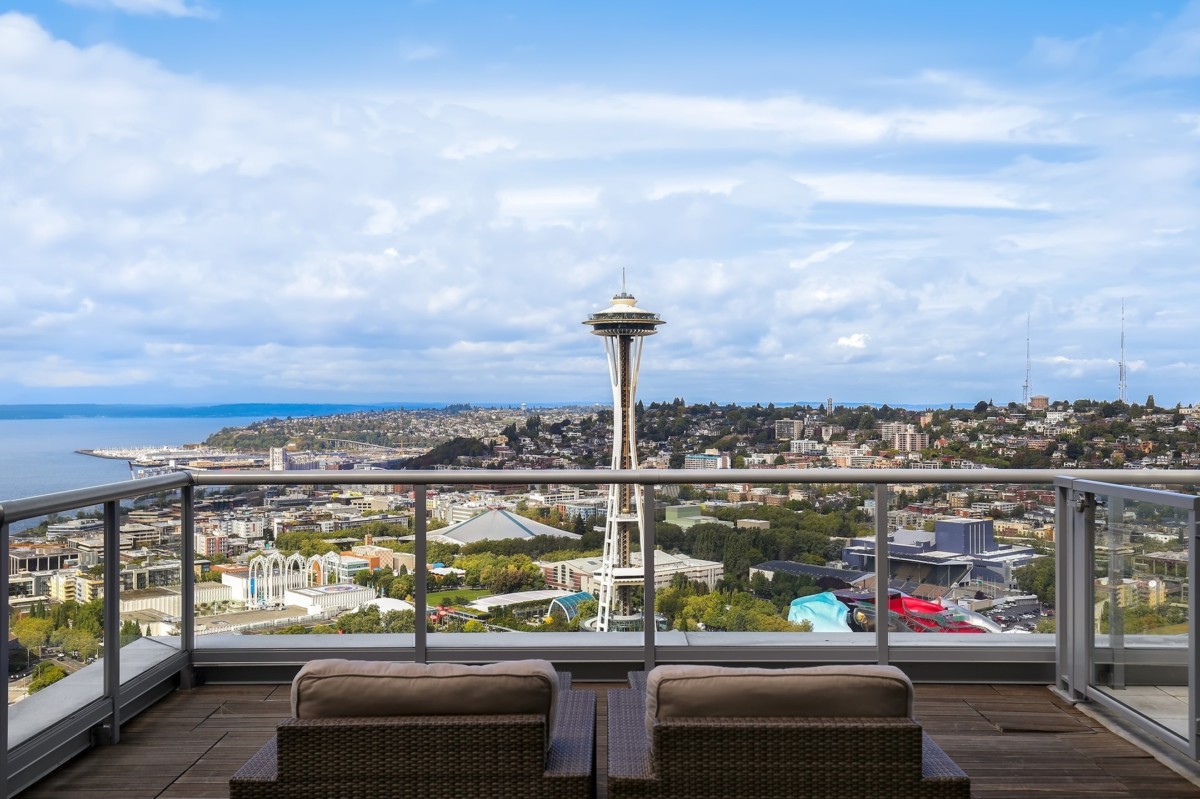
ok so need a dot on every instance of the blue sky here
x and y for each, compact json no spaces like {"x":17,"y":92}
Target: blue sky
{"x":265,"y":201}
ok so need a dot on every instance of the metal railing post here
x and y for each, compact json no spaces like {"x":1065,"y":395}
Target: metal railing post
{"x":187,"y":582}
{"x":1064,"y":588}
{"x":112,"y":617}
{"x":421,"y":643}
{"x":649,"y":619}
{"x":883,"y":615}
{"x":1193,"y":666}
{"x":1081,"y":548}
{"x":5,"y":651}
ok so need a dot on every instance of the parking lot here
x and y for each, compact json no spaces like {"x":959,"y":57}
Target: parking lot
{"x":1023,"y":616}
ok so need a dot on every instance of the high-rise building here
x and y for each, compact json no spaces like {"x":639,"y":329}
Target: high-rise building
{"x":787,"y":429}
{"x":280,"y":460}
{"x":623,"y":326}
{"x":903,"y":437}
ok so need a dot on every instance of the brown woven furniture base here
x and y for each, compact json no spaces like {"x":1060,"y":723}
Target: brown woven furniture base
{"x":698,"y":758}
{"x":428,"y":757}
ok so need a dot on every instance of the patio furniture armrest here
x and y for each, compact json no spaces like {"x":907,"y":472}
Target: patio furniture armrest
{"x":939,"y":773}
{"x":628,"y":744}
{"x":572,"y":751}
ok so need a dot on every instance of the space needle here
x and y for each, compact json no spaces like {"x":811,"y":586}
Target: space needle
{"x":623,"y":326}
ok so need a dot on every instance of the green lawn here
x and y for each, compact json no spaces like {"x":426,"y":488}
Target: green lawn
{"x":437,"y":597}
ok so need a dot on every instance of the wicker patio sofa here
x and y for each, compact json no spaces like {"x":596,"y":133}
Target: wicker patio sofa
{"x":692,"y":732}
{"x":365,"y":729}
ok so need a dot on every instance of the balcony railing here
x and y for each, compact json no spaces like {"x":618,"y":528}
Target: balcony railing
{"x":90,"y":705}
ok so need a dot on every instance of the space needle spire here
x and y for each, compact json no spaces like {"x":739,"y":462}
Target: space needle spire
{"x":623,"y":326}
{"x":1122,"y":383}
{"x":1028,"y":366}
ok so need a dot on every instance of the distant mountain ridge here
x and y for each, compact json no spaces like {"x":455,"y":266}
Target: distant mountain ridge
{"x":75,"y":411}
{"x":285,"y":409}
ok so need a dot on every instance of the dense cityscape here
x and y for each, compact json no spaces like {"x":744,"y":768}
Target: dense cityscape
{"x":503,"y":558}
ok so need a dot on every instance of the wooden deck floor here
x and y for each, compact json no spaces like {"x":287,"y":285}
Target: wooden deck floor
{"x":1013,"y":741}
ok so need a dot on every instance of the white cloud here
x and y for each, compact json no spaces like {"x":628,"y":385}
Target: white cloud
{"x":478,"y":147}
{"x":855,"y":341}
{"x":822,"y":255}
{"x":171,"y":8}
{"x":172,"y":231}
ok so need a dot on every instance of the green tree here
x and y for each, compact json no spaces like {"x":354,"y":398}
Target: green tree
{"x":46,"y":674}
{"x":32,"y":632}
{"x":130,"y":631}
{"x":1037,"y":578}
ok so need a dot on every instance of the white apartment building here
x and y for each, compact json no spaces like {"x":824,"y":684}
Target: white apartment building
{"x":582,"y":574}
{"x":280,"y":459}
{"x":904,"y":437}
{"x":248,"y":528}
{"x":828,"y":431}
{"x":804,"y":446}
{"x":710,"y":459}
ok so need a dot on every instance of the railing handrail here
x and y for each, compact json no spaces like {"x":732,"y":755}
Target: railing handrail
{"x":16,"y":510}
{"x":669,"y":476}
{"x":31,"y":507}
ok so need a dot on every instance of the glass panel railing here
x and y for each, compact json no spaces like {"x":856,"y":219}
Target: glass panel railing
{"x":521,"y":570}
{"x":60,"y":569}
{"x":1141,"y":589}
{"x":56,"y":619}
{"x":151,"y":563}
{"x":770,"y":560}
{"x":972,"y":560}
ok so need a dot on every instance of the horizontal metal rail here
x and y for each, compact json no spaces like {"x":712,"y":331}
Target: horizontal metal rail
{"x":32,"y":507}
{"x":669,"y":476}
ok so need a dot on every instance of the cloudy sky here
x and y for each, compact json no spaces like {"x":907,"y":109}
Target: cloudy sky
{"x":220,"y":200}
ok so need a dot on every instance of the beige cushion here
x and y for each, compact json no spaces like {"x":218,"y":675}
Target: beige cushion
{"x":337,"y":688}
{"x":819,"y":691}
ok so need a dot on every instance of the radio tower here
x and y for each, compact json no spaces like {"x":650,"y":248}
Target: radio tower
{"x":623,"y":326}
{"x":1028,"y":369}
{"x":1121,"y":384}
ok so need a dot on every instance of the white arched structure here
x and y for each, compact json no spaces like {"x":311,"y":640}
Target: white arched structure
{"x":322,"y":569}
{"x":273,"y":574}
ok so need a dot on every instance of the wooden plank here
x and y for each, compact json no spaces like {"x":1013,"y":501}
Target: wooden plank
{"x":1015,"y":742}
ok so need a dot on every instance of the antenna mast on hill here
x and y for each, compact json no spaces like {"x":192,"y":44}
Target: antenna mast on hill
{"x":1025,"y":388}
{"x":1121,"y":383}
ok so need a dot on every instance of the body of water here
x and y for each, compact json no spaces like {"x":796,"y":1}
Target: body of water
{"x":37,"y":456}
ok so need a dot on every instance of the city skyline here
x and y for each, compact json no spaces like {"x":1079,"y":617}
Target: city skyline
{"x":207,"y":202}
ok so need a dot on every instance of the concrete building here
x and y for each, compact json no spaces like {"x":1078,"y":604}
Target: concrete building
{"x":74,"y":528}
{"x":805,"y":446}
{"x":169,"y":601}
{"x":904,"y":437}
{"x":334,"y":597}
{"x":29,"y":560}
{"x":688,"y":515}
{"x":279,"y":459}
{"x":582,"y":574}
{"x":788,"y":429}
{"x":710,"y":459}
{"x":929,"y":563}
